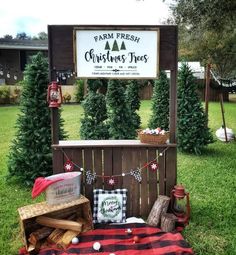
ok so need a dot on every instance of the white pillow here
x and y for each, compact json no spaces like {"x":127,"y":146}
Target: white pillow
{"x":109,"y":205}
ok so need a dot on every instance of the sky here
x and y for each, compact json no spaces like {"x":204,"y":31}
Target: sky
{"x":32,"y":16}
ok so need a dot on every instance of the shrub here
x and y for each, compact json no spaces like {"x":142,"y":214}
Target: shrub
{"x":66,"y":97}
{"x":4,"y":94}
{"x":15,"y":95}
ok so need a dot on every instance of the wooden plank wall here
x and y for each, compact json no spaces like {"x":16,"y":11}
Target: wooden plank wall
{"x":107,"y":161}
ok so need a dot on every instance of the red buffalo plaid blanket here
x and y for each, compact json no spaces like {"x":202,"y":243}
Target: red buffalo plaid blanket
{"x":114,"y":239}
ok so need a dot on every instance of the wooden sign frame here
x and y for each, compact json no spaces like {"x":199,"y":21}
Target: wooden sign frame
{"x":120,"y":53}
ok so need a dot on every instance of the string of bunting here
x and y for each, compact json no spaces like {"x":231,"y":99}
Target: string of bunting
{"x":91,"y":176}
{"x":8,"y":74}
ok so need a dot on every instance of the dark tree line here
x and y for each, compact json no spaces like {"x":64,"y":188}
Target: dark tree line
{"x":24,"y":36}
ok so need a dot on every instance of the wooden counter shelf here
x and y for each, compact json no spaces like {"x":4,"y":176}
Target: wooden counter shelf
{"x":107,"y":143}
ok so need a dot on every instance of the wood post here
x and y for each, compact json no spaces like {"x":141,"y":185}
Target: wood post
{"x":223,"y":114}
{"x":208,"y":74}
{"x":55,"y":125}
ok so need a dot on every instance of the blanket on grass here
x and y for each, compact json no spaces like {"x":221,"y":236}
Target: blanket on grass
{"x":114,"y":239}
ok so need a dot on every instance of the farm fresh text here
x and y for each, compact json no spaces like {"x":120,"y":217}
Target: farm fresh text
{"x":121,"y":36}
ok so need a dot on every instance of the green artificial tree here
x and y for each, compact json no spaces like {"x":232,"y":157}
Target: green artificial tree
{"x":133,"y":100}
{"x":93,"y":125}
{"x":119,"y":114}
{"x":30,"y":153}
{"x":192,"y":131}
{"x":160,"y":103}
{"x":79,"y":93}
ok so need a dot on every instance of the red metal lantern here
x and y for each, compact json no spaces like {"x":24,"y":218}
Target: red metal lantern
{"x":180,"y":204}
{"x":54,"y":95}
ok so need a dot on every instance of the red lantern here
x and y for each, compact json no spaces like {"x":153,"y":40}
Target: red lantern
{"x":54,"y":96}
{"x":180,"y":204}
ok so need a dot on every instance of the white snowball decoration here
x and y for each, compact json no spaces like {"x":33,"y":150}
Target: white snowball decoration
{"x":96,"y":246}
{"x":129,"y":231}
{"x":220,"y":134}
{"x":75,"y":240}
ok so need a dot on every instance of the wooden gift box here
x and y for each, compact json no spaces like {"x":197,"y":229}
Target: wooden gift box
{"x":80,"y":207}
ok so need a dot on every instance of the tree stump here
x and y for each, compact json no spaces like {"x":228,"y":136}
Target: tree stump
{"x":168,"y":221}
{"x":160,"y":206}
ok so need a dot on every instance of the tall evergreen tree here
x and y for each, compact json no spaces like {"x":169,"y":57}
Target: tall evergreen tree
{"x":160,"y":103}
{"x":119,"y":114}
{"x":30,"y":153}
{"x":133,"y":100}
{"x":94,"y":125}
{"x":79,"y":93}
{"x":192,"y":131}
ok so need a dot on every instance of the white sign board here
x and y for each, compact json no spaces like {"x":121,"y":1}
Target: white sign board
{"x":117,"y":53}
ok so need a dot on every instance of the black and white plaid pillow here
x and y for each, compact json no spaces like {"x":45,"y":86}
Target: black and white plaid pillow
{"x":109,"y":205}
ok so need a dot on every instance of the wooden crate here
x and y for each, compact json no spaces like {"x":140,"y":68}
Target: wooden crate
{"x":80,"y":207}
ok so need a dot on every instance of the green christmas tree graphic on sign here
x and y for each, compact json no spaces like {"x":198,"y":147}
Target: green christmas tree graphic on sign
{"x":107,"y":46}
{"x":115,"y":46}
{"x":122,"y":47}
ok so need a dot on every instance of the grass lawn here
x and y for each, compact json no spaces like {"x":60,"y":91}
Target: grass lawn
{"x":210,"y":179}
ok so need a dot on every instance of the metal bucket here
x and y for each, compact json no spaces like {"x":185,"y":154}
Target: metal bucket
{"x":65,"y":190}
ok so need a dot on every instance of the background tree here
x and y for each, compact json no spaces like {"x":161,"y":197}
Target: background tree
{"x":119,"y":114}
{"x":93,"y":125}
{"x":8,"y":37}
{"x":160,"y":103}
{"x":41,"y":36}
{"x":30,"y":153}
{"x":133,"y":100}
{"x":192,"y":131}
{"x":22,"y":36}
{"x":207,"y":33}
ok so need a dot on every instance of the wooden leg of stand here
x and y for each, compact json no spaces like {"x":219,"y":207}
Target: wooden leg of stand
{"x":223,"y":115}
